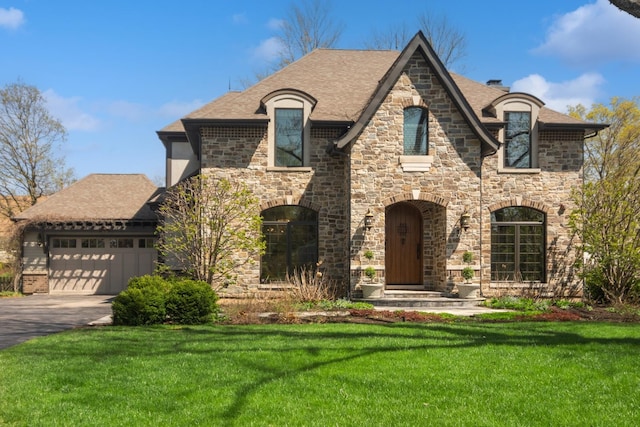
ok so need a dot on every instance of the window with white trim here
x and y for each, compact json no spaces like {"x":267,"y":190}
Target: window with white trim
{"x":289,"y":137}
{"x":517,"y":139}
{"x":289,"y":129}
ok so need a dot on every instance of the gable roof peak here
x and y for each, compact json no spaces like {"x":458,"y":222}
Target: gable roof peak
{"x":420,"y":44}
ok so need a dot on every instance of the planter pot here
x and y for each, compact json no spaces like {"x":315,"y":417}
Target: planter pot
{"x":372,"y":290}
{"x":468,"y":290}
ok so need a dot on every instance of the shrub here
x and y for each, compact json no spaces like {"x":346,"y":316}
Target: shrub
{"x":309,"y":285}
{"x":157,"y":282}
{"x":191,"y":302}
{"x":139,"y":306}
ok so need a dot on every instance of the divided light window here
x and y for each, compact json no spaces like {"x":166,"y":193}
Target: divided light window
{"x":291,"y":235}
{"x":518,"y":245}
{"x":63,"y":243}
{"x":415,"y":131}
{"x":289,"y":137}
{"x":92,"y":243}
{"x":517,"y":140}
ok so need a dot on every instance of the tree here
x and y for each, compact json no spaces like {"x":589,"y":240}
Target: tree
{"x":210,"y":228}
{"x":30,"y":138}
{"x":308,"y":26}
{"x":447,"y":41}
{"x":608,"y":218}
{"x":632,"y":7}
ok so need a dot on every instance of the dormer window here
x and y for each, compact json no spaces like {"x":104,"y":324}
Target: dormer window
{"x":416,"y":131}
{"x":518,"y":152}
{"x":289,"y":137}
{"x":517,"y":139}
{"x":289,"y":131}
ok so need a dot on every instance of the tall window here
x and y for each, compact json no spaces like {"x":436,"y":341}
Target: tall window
{"x":415,"y":131}
{"x":289,"y":137}
{"x":517,"y":141}
{"x":517,"y":245}
{"x":291,"y":235}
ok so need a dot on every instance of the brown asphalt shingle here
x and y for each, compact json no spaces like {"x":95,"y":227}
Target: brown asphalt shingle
{"x":342,"y":81}
{"x":98,"y":197}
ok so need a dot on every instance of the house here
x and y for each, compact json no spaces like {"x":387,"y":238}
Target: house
{"x":359,"y":158}
{"x":387,"y":153}
{"x":90,"y":237}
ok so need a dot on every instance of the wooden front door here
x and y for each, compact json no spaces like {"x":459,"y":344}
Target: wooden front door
{"x":403,"y":233}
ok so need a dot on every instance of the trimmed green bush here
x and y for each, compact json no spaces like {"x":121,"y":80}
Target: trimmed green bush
{"x":191,"y":302}
{"x":139,"y":306}
{"x":148,"y":280}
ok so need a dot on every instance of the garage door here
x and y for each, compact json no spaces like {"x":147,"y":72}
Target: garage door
{"x":98,"y":265}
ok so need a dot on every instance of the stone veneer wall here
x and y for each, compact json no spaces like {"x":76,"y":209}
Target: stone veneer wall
{"x":549,"y":190}
{"x":443,"y":193}
{"x":241,"y":154}
{"x":34,"y":283}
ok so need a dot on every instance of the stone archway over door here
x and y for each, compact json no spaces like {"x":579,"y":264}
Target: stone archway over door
{"x":403,"y":247}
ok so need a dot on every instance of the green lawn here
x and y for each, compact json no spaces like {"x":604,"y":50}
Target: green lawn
{"x":403,"y":374}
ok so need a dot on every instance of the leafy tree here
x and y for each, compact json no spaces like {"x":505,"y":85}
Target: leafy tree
{"x":447,"y":41}
{"x":210,"y":228}
{"x":608,"y":218}
{"x":30,"y":138}
{"x":308,"y":26}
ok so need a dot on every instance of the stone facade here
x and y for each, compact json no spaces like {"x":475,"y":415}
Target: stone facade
{"x":450,"y":187}
{"x":241,"y":154}
{"x":372,"y":176}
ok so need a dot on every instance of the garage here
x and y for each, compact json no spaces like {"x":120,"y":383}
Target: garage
{"x":98,"y":265}
{"x":91,"y":237}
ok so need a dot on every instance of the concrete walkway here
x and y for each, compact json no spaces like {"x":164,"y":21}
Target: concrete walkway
{"x":33,"y":316}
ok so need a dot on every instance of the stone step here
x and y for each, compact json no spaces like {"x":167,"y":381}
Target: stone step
{"x":409,"y":299}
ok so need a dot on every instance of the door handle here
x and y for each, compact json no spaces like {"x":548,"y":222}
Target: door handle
{"x":418,"y":247}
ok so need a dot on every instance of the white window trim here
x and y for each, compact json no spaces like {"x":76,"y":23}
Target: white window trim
{"x":289,"y":100}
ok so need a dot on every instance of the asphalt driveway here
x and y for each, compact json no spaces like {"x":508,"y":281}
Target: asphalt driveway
{"x":36,"y":315}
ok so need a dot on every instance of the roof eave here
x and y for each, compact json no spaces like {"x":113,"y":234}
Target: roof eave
{"x":589,"y":129}
{"x":192,"y":127}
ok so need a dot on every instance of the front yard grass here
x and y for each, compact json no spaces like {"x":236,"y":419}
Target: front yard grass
{"x":400,"y":374}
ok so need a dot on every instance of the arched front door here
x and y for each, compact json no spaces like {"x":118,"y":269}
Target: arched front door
{"x":403,"y":234}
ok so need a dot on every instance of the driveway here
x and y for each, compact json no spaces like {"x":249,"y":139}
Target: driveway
{"x":36,"y":315}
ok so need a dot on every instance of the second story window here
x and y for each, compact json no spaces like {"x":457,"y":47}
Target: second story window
{"x":517,"y":139}
{"x":289,"y":137}
{"x":415,"y":131}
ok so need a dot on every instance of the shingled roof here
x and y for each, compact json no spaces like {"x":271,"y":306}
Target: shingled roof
{"x":344,"y":83}
{"x":98,"y":197}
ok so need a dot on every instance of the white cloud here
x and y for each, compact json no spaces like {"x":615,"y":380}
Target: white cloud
{"x":268,"y":50}
{"x":596,"y":32}
{"x":557,"y":96}
{"x":11,"y":18}
{"x":275,"y":24}
{"x":175,"y":109}
{"x":69,"y":113}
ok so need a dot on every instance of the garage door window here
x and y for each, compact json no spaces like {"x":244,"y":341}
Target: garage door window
{"x":92,"y":243}
{"x":64,"y":243}
{"x":146,"y":243}
{"x":121,"y":243}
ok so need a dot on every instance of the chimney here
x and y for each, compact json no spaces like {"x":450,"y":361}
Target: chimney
{"x":497,"y":84}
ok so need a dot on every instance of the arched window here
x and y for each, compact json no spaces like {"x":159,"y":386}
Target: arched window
{"x":518,"y":245}
{"x":291,"y":235}
{"x":416,"y":131}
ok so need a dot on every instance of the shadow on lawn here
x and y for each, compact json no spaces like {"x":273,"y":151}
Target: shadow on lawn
{"x":356,"y":340}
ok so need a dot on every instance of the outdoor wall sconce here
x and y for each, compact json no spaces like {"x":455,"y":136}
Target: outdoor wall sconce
{"x":465,"y":219}
{"x":368,"y":219}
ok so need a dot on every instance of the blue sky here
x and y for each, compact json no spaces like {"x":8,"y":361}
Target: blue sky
{"x":114,"y":72}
